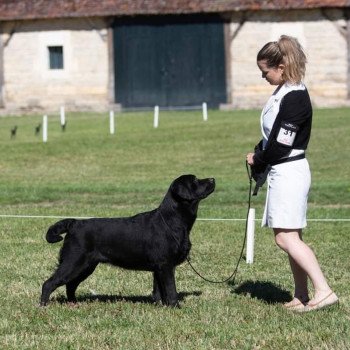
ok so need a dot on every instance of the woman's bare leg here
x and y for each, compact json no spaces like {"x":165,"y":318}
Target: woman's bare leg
{"x":303,"y":263}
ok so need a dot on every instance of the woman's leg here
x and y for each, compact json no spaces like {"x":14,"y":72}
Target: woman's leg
{"x":301,"y":294}
{"x":303,"y":262}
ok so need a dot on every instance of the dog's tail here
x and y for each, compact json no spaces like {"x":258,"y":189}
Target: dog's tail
{"x":54,"y":233}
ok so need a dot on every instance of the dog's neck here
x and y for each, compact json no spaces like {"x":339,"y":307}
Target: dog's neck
{"x":171,"y":210}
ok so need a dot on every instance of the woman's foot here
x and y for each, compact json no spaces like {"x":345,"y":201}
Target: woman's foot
{"x":297,"y":303}
{"x":321,"y":301}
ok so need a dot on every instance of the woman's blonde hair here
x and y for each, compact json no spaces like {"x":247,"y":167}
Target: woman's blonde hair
{"x":287,"y":51}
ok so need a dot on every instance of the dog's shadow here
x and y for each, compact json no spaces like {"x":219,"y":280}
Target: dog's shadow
{"x":104,"y":298}
{"x":262,"y":290}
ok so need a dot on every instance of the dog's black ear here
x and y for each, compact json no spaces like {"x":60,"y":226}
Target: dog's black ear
{"x":182,"y":187}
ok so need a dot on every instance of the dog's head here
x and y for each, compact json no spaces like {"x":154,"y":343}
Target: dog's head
{"x":189,"y":188}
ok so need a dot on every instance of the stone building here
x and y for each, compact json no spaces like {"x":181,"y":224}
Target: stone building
{"x":96,"y":55}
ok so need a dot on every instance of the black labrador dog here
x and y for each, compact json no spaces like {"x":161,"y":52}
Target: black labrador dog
{"x":155,"y":241}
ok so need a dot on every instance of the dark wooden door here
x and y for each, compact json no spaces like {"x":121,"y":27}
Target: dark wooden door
{"x":169,"y":61}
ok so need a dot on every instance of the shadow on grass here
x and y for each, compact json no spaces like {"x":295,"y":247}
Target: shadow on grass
{"x":117,"y":298}
{"x":265,"y":291}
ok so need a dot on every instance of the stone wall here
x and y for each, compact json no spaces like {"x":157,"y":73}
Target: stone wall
{"x":29,"y":84}
{"x":86,"y":82}
{"x":320,"y":35}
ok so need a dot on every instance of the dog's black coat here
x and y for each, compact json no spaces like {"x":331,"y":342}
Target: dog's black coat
{"x":155,"y":241}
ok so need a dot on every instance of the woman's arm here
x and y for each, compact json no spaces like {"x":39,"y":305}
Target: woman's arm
{"x":291,"y":129}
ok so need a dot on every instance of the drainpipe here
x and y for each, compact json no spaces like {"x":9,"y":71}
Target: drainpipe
{"x":3,"y":44}
{"x":345,"y":33}
{"x":229,"y":38}
{"x":1,"y":69}
{"x":347,"y":17}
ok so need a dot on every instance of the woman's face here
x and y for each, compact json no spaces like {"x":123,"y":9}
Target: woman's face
{"x":272,"y":75}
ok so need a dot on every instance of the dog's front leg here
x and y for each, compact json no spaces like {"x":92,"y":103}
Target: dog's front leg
{"x":166,"y":283}
{"x":156,"y":295}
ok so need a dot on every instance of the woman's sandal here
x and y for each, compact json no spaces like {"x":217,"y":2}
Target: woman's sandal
{"x":298,"y":306}
{"x":327,"y":301}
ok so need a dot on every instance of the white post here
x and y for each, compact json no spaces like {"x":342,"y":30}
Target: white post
{"x":156,"y":117}
{"x":205,"y":111}
{"x":111,"y":122}
{"x":250,"y":236}
{"x":45,"y":128}
{"x":62,"y":115}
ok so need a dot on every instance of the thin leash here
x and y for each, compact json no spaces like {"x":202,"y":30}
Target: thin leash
{"x":234,"y":273}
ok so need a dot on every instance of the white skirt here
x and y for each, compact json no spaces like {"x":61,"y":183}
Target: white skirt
{"x":287,"y":194}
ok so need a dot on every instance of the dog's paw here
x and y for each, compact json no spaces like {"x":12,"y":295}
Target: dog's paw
{"x":156,"y":298}
{"x":173,"y":304}
{"x":177,"y":305}
{"x":72,"y":304}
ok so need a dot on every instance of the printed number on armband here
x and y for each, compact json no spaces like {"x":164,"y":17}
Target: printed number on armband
{"x":287,"y":134}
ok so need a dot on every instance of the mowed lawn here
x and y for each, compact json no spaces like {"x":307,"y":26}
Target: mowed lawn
{"x":86,"y":172}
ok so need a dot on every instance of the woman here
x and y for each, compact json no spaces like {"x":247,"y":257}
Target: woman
{"x":286,"y":127}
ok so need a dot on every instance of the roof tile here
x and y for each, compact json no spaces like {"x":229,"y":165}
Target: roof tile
{"x":35,"y":9}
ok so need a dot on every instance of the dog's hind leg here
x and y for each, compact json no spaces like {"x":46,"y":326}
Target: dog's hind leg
{"x":67,"y":271}
{"x":49,"y":286}
{"x":72,"y":286}
{"x":166,"y":282}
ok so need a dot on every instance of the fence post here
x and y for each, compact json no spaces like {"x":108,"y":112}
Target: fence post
{"x":45,"y":128}
{"x":205,"y":111}
{"x":250,"y":236}
{"x":111,"y":122}
{"x":62,"y":116}
{"x":156,"y":117}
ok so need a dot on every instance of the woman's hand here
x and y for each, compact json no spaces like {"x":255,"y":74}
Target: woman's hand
{"x":250,"y":159}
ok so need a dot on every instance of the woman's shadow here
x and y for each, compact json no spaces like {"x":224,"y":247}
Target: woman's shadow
{"x":262,"y":290}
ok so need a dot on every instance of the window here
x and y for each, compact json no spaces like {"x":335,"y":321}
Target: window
{"x":55,"y":57}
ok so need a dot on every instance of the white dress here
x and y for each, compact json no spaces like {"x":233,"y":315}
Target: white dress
{"x":288,"y":183}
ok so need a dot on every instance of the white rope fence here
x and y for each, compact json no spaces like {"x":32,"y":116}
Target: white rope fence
{"x":198,"y":219}
{"x":250,"y":226}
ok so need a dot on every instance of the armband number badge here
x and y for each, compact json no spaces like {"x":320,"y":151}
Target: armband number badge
{"x":287,"y":134}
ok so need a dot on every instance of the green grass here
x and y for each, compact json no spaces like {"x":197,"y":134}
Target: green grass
{"x":88,"y":172}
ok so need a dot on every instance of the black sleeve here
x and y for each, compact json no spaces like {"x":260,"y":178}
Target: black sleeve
{"x":296,"y":111}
